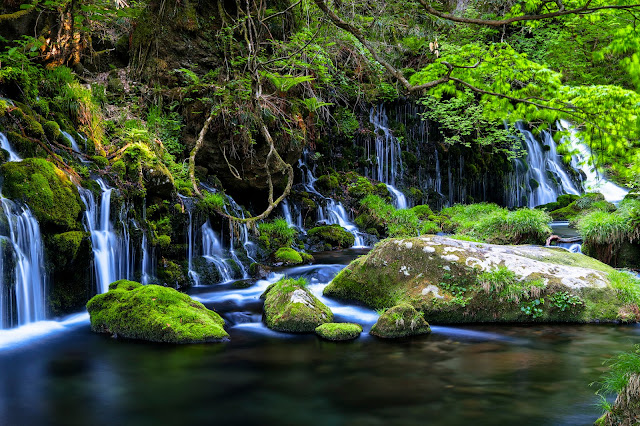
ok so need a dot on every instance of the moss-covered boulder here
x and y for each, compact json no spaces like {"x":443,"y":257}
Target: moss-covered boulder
{"x":454,"y":281}
{"x":52,"y":197}
{"x":287,"y":256}
{"x":290,"y":306}
{"x":330,"y":237}
{"x":153,"y":313}
{"x":338,"y":331}
{"x":400,"y":321}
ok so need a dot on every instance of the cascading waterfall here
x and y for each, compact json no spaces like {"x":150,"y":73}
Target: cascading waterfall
{"x":388,"y":155}
{"x":6,"y":145}
{"x":541,"y":178}
{"x":335,"y":212}
{"x":27,"y":298}
{"x":213,"y":252}
{"x":110,"y":254}
{"x":584,"y":161}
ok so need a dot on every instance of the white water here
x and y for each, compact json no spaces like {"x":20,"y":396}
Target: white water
{"x":584,"y":161}
{"x":6,"y":145}
{"x":213,"y":252}
{"x":25,"y":334}
{"x":74,"y":144}
{"x":145,"y":273}
{"x":388,"y":155}
{"x":543,"y":178}
{"x":28,"y":297}
{"x":109,"y":253}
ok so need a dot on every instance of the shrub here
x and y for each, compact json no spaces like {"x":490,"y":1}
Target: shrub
{"x":276,"y":234}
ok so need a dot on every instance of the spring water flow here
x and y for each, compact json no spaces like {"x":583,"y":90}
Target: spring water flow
{"x":388,"y":155}
{"x":111,"y":253}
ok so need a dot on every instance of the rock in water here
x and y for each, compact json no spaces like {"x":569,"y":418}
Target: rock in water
{"x":153,"y":313}
{"x":400,"y":321}
{"x":289,"y":306}
{"x":337,"y":331}
{"x":453,"y":281}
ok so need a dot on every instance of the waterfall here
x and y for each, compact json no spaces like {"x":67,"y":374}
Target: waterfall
{"x":111,"y":257}
{"x":213,"y":253}
{"x":388,"y":155}
{"x":336,"y":213}
{"x":27,"y":298}
{"x":584,"y":161}
{"x":286,"y":211}
{"x":541,"y":178}
{"x":146,"y":273}
{"x":6,"y":145}
{"x":71,"y":139}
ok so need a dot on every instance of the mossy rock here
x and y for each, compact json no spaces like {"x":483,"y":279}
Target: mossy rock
{"x":400,"y":321}
{"x":289,"y":306}
{"x":287,"y":256}
{"x":171,"y":274}
{"x":153,"y":313}
{"x":333,"y":235}
{"x":450,"y":281}
{"x":52,"y":197}
{"x":338,"y":331}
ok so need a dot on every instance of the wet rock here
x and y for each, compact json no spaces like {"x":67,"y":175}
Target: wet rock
{"x":400,"y":321}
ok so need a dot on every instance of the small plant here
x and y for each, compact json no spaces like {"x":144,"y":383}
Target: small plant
{"x":627,"y":286}
{"x":564,"y":300}
{"x":533,"y":308}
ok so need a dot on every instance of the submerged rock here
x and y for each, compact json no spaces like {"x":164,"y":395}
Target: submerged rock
{"x":153,"y":313}
{"x":337,"y":331}
{"x":400,"y":321}
{"x":455,"y":281}
{"x":289,"y":306}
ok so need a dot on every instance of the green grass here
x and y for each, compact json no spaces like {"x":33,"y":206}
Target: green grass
{"x":376,"y":213}
{"x":626,"y":285}
{"x":276,"y":234}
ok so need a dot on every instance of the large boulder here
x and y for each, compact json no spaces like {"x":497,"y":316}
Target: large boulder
{"x":290,"y":306}
{"x":400,"y":321}
{"x":454,"y":281}
{"x":153,"y":313}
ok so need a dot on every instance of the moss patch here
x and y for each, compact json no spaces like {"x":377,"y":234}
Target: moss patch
{"x":289,"y":306}
{"x":153,"y":313}
{"x":339,"y":331}
{"x":287,"y":256}
{"x":331,"y":237}
{"x":52,"y":197}
{"x":400,"y":321}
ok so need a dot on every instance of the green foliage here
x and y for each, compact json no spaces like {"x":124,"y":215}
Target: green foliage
{"x":376,"y":213}
{"x":626,"y":285}
{"x":168,"y":127}
{"x":600,"y":227}
{"x":276,"y":234}
{"x":335,"y":236}
{"x":533,"y":308}
{"x":564,"y":300}
{"x":288,"y":256}
{"x":153,"y":313}
{"x":622,"y":369}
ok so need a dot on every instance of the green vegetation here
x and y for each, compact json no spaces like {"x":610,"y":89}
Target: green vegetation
{"x":153,"y":313}
{"x":47,"y":190}
{"x":339,"y":331}
{"x":289,"y":306}
{"x":622,"y":378}
{"x":382,"y":219}
{"x":276,"y":234}
{"x":400,"y":321}
{"x":331,"y":237}
{"x":288,"y":256}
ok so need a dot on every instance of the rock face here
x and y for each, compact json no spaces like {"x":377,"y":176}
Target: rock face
{"x":289,"y":306}
{"x":153,"y":313}
{"x":400,"y":321}
{"x":337,"y":331}
{"x":453,"y":281}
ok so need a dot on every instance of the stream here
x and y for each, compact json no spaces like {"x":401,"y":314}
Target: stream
{"x":60,"y":373}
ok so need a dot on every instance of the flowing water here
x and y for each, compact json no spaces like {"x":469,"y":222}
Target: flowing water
{"x":63,"y":374}
{"x":6,"y":145}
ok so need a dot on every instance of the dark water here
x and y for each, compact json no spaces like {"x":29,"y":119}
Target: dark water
{"x":482,"y":375}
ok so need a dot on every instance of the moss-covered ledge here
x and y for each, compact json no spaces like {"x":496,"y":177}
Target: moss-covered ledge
{"x":153,"y":313}
{"x":454,"y":281}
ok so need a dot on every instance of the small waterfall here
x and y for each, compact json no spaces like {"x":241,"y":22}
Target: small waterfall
{"x":110,"y":254}
{"x":542,"y":178}
{"x":584,"y":161}
{"x":213,"y":252}
{"x":335,"y":214}
{"x":71,"y":139}
{"x":388,"y":155}
{"x":146,"y":274}
{"x":286,"y":211}
{"x":27,"y":298}
{"x":6,"y":145}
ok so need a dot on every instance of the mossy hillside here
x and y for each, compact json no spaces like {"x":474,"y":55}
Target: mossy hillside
{"x":400,"y":321}
{"x":453,"y":281}
{"x":337,"y":331}
{"x":330,"y":237}
{"x":52,"y":197}
{"x":153,"y":313}
{"x":289,"y":306}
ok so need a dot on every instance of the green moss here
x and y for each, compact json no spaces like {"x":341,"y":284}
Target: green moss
{"x":119,"y":168}
{"x":64,"y":247}
{"x":100,"y":161}
{"x":288,"y":256}
{"x":52,"y":197}
{"x":276,"y":234}
{"x":327,"y":183}
{"x":153,"y":313}
{"x":52,"y":130}
{"x":334,"y":235}
{"x":400,"y":321}
{"x":163,"y":241}
{"x":360,"y":188}
{"x":339,"y":331}
{"x":171,"y":274}
{"x":289,"y":306}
